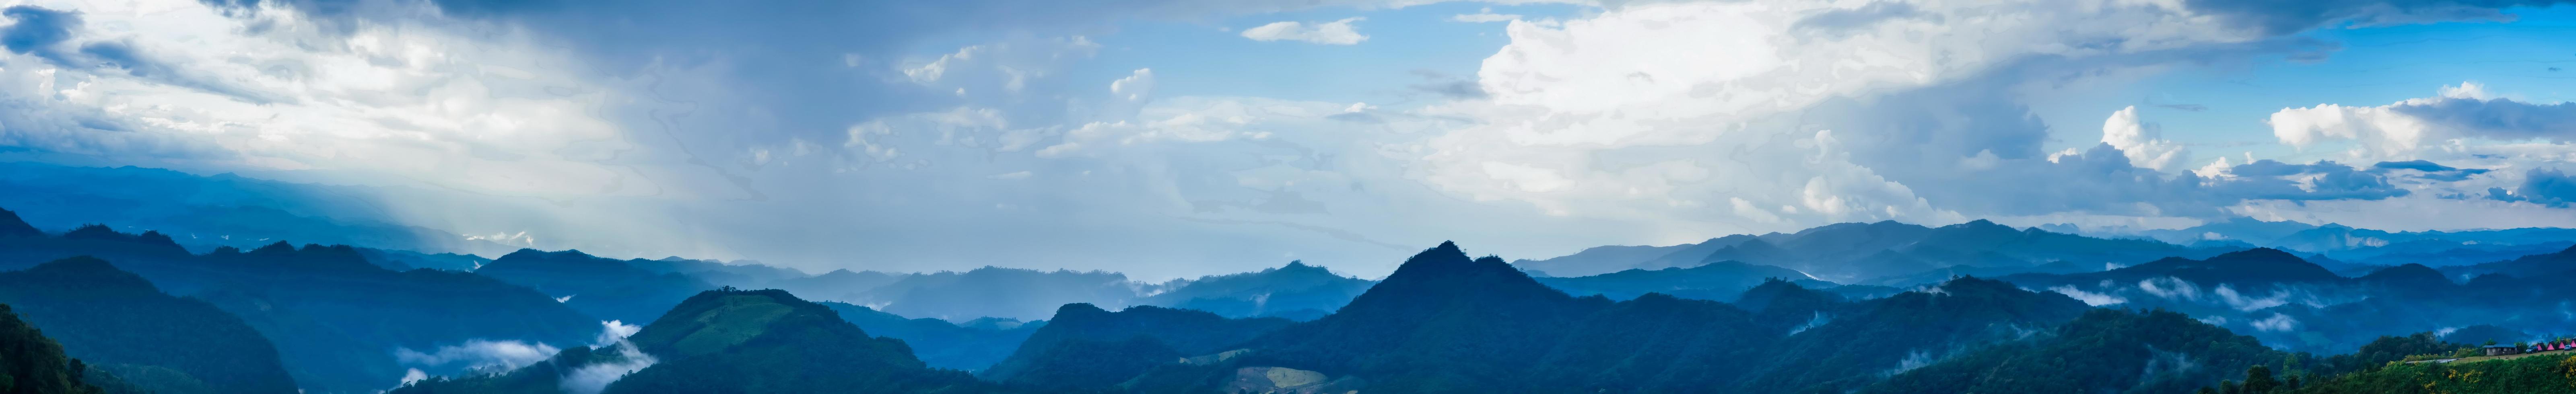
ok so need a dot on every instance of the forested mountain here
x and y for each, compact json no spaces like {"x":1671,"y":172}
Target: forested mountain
{"x":2368,"y":246}
{"x":119,"y":323}
{"x":1446,"y":323}
{"x":1719,"y":281}
{"x":604,"y":288}
{"x":837,"y":285}
{"x":1888,"y":253}
{"x":1086,"y":347}
{"x":2104,"y":351}
{"x":1603,"y":259}
{"x":1295,"y":291}
{"x":2293,"y":304}
{"x":939,"y":343}
{"x":744,"y":274}
{"x":732,"y":341}
{"x":30,"y":363}
{"x":337,"y":320}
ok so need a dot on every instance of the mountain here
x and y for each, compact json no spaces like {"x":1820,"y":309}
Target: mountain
{"x":2103,"y":351}
{"x":727,"y":341}
{"x":600,"y":287}
{"x":1753,"y":251}
{"x":2444,"y":252}
{"x":768,"y":341}
{"x":1862,"y":342}
{"x":1444,"y":322}
{"x":336,"y":319}
{"x":404,"y":260}
{"x":838,"y":285}
{"x":33,"y":364}
{"x":1439,"y":306}
{"x":2557,"y":263}
{"x":1719,"y":281}
{"x":2367,"y":246}
{"x":1894,"y":253}
{"x":1084,"y":346}
{"x":1938,"y":275}
{"x":119,"y":323}
{"x":939,"y":343}
{"x":1597,"y":260}
{"x":997,"y":292}
{"x":2408,"y":279}
{"x":13,"y":227}
{"x":1295,"y":290}
{"x":2252,"y":268}
{"x":738,"y":273}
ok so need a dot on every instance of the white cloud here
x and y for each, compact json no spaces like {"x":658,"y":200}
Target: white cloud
{"x":480,"y":354}
{"x":2140,"y":141}
{"x":269,"y":88}
{"x":590,"y":379}
{"x":1338,"y":32}
{"x":2417,"y":127}
{"x":1645,"y":109}
{"x":2089,"y":298}
{"x":2276,"y":323}
{"x":1135,"y":87}
{"x":933,"y":70}
{"x":414,"y":375}
{"x":2251,"y":303}
{"x":2170,"y":288}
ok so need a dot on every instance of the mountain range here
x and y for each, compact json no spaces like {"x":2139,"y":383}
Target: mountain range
{"x":1855,"y":307}
{"x":1882,"y":253}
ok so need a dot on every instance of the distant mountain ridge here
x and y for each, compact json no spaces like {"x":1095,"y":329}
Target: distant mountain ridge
{"x":336,"y":317}
{"x":1884,"y":253}
{"x":1444,"y":322}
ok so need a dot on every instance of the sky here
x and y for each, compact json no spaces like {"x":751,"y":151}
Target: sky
{"x":1169,"y":138}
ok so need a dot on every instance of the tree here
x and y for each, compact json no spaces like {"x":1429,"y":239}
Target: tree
{"x":2258,"y":379}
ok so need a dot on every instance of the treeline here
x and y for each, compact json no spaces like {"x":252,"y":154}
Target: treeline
{"x":2418,"y":363}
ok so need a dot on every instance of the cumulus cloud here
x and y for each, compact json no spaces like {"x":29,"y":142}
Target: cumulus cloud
{"x":2142,"y":142}
{"x":1338,"y":32}
{"x":1135,"y":86}
{"x":2406,"y":128}
{"x":2544,"y":186}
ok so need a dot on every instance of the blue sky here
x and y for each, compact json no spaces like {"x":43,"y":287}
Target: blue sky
{"x":1179,"y":138}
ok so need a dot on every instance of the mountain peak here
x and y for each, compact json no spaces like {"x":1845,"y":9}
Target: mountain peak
{"x":2267,"y":254}
{"x":2411,"y":275}
{"x":89,"y":272}
{"x":11,"y":226}
{"x":279,"y":247}
{"x":1444,"y":275}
